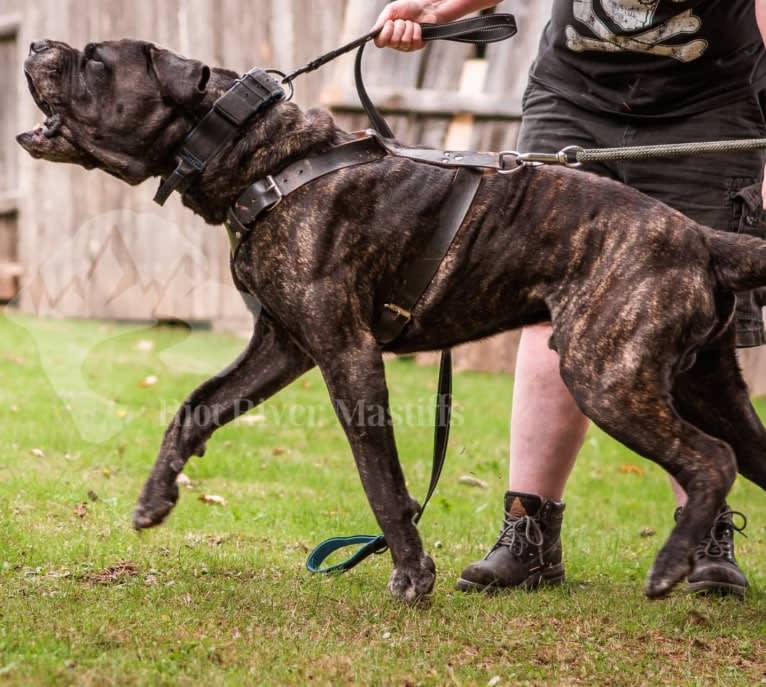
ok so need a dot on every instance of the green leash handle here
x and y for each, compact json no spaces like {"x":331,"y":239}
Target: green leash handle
{"x":371,"y":544}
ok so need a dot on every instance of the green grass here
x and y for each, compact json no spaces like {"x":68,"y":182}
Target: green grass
{"x":219,"y":595}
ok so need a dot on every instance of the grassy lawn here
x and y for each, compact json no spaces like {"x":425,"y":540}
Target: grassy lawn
{"x":220,"y":596}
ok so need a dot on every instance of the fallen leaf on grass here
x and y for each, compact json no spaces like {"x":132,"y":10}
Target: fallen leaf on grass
{"x":278,"y":450}
{"x":114,"y":574}
{"x":251,"y":419}
{"x":183,"y":480}
{"x":149,"y":381}
{"x":80,"y":510}
{"x":92,"y":495}
{"x":629,"y":469}
{"x":646,"y":532}
{"x":468,"y":481}
{"x":697,"y":618}
{"x":212,"y":499}
{"x":38,"y":453}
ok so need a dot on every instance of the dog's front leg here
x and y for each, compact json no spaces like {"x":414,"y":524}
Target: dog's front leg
{"x":357,"y":386}
{"x":270,"y":362}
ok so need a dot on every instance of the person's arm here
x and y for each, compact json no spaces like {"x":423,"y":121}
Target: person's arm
{"x":760,"y":18}
{"x":401,"y":20}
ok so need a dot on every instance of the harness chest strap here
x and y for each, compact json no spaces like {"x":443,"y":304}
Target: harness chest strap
{"x":268,"y":192}
{"x":421,"y":271}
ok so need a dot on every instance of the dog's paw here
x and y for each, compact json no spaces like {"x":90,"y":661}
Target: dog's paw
{"x":411,"y":584}
{"x":665,"y":574}
{"x":154,"y":505}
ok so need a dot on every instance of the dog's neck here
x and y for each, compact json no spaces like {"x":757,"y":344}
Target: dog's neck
{"x":278,"y":136}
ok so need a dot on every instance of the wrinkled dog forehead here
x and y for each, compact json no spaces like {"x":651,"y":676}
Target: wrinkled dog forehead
{"x":115,"y":105}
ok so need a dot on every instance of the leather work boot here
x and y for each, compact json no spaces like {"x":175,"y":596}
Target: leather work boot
{"x":715,"y":568}
{"x":528,"y":551}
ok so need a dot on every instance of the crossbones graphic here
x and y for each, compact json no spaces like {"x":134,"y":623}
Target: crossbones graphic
{"x":631,"y":15}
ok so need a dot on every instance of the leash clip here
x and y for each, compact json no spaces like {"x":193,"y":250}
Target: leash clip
{"x":506,"y":166}
{"x":567,"y":157}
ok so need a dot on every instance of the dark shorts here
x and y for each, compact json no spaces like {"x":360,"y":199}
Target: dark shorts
{"x":720,"y":191}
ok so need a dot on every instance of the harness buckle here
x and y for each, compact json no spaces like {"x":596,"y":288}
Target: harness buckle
{"x":398,"y":311}
{"x":272,"y":186}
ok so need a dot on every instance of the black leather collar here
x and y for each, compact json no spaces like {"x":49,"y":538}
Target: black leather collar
{"x":251,"y":94}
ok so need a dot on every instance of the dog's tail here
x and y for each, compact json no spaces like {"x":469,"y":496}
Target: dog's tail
{"x":738,"y":260}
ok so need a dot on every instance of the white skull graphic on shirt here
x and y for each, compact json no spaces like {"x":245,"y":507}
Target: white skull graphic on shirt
{"x":634,"y":15}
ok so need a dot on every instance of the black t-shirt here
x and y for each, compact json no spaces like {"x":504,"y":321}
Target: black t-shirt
{"x":651,"y":57}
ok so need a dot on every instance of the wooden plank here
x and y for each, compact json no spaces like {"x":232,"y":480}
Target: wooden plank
{"x":9,"y":149}
{"x":9,"y":24}
{"x":510,"y":60}
{"x":9,"y":202}
{"x":10,"y":269}
{"x":428,"y":102}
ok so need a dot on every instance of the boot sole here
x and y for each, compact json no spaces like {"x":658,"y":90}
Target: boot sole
{"x":552,"y":576}
{"x":715,"y":589}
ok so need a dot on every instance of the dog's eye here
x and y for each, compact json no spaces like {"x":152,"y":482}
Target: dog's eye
{"x":90,"y":52}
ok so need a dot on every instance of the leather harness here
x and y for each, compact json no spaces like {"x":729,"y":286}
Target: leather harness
{"x":370,"y":146}
{"x":255,"y":92}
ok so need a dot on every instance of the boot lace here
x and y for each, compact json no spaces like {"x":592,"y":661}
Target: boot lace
{"x":519,"y":534}
{"x":719,"y":542}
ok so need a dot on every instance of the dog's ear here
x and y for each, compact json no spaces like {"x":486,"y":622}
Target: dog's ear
{"x":183,"y":81}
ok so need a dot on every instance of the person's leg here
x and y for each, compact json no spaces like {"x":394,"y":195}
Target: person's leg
{"x":678,"y":492}
{"x":547,"y":427}
{"x":547,"y":431}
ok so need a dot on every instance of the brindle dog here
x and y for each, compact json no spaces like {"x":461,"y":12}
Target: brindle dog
{"x":636,"y":291}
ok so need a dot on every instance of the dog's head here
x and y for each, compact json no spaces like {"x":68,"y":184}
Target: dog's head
{"x":121,"y":106}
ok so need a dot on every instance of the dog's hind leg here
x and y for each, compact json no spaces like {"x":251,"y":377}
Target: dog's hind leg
{"x":270,"y":362}
{"x":355,"y":378}
{"x":713,"y":396}
{"x":628,"y":395}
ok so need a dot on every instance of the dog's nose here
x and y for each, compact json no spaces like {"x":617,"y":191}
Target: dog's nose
{"x":38,"y":46}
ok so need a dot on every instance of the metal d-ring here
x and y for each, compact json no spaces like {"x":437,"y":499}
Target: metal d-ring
{"x":573,"y":150}
{"x":283,"y":80}
{"x":501,"y":159}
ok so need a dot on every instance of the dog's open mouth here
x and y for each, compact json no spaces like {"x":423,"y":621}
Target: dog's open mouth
{"x":50,"y":127}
